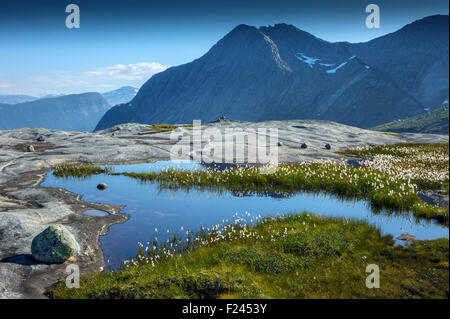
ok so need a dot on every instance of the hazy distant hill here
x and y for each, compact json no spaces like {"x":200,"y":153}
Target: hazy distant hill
{"x":281,"y":72}
{"x":14,"y":99}
{"x":433,"y":121}
{"x":75,"y":112}
{"x":47,"y":96}
{"x":122,"y":95}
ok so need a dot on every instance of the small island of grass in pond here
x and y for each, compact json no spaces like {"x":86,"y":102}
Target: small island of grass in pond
{"x":80,"y":171}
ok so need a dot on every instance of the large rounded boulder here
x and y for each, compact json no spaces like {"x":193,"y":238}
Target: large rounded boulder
{"x":54,"y":245}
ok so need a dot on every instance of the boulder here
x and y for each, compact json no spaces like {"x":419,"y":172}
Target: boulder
{"x":407,"y":237}
{"x":102,"y":186}
{"x":353,"y":163}
{"x":54,"y":245}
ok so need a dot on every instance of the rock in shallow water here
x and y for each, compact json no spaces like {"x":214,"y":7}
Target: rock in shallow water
{"x":54,"y":245}
{"x":102,"y":186}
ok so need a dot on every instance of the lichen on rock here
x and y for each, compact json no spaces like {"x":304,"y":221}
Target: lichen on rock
{"x":54,"y":245}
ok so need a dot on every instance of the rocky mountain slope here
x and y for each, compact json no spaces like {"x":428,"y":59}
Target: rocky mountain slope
{"x":280,"y":72}
{"x":75,"y":112}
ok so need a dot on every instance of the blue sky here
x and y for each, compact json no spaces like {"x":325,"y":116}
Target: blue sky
{"x":125,"y":42}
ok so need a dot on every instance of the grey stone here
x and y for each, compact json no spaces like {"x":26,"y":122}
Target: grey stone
{"x":407,"y":237}
{"x":102,"y":186}
{"x":54,"y":245}
{"x":435,"y":197}
{"x":353,"y":163}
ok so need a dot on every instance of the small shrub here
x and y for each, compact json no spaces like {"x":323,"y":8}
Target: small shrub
{"x":315,"y":244}
{"x":263,"y":261}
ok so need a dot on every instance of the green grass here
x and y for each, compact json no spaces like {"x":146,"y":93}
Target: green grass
{"x":399,"y":150}
{"x":162,"y":128}
{"x":295,"y":256}
{"x":79,"y":171}
{"x":434,"y":121}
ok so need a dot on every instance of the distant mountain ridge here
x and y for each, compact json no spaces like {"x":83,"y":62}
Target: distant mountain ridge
{"x":74,"y":112}
{"x":281,"y":72}
{"x":122,"y":95}
{"x":14,"y":99}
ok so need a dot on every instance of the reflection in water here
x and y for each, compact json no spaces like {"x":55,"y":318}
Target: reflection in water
{"x":151,"y":208}
{"x":95,"y":213}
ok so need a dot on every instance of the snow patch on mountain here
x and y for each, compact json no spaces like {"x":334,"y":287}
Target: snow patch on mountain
{"x":306,"y":59}
{"x":336,"y":68}
{"x":340,"y":65}
{"x":312,"y":61}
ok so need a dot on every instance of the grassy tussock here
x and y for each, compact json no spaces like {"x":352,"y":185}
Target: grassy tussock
{"x":296,"y":256}
{"x":80,"y":171}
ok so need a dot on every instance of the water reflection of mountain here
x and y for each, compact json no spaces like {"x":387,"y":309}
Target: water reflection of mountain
{"x":224,"y":166}
{"x":273,"y":194}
